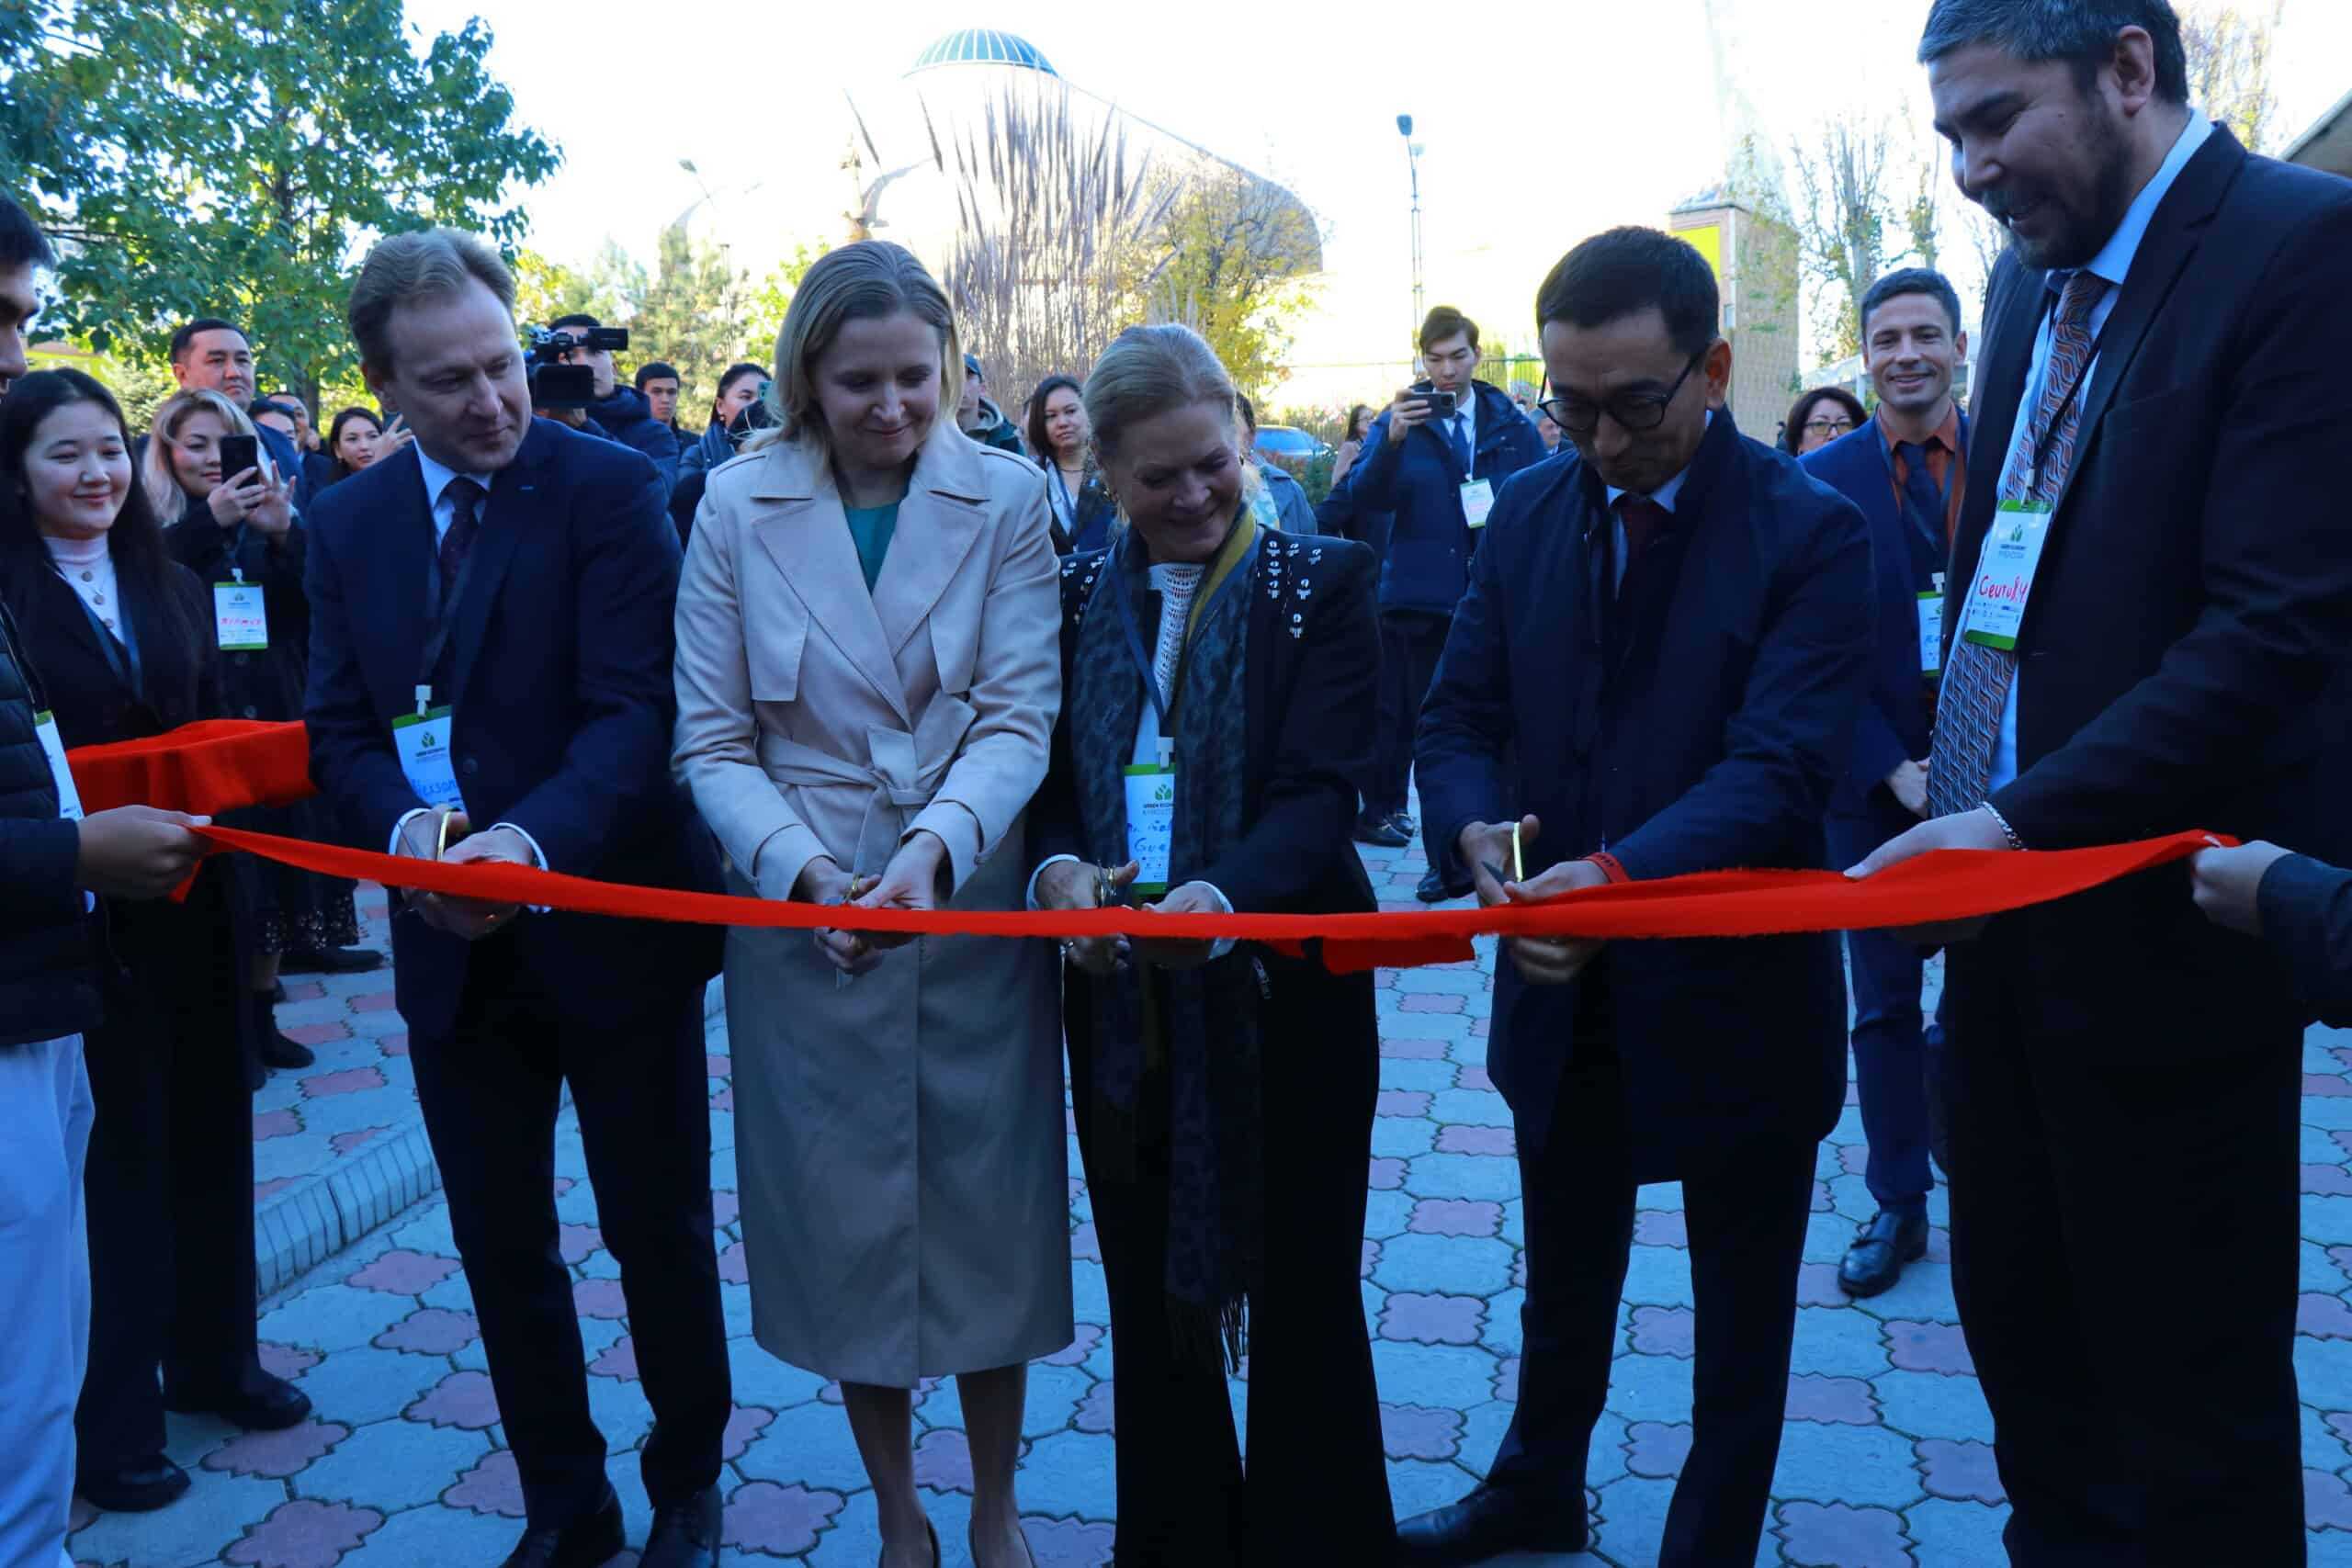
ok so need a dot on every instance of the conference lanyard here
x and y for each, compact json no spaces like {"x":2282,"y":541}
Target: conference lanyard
{"x":1162,"y":707}
{"x":1069,"y":507}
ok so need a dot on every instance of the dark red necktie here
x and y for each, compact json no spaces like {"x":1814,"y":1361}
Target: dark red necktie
{"x":1644,"y":522}
{"x":465,"y":506}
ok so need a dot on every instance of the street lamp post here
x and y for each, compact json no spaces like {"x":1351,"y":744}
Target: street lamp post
{"x":1413,"y":168}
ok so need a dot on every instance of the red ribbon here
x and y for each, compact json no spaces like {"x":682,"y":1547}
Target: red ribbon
{"x":1950,"y":884}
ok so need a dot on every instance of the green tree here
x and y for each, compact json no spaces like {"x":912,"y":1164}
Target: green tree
{"x":236,"y":156}
{"x":1239,"y":259}
{"x":699,"y":312}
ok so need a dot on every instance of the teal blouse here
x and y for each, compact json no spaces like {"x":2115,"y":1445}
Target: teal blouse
{"x":870,"y":528}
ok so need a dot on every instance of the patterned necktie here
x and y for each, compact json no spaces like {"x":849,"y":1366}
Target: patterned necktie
{"x":1977,"y":681}
{"x":465,"y":503}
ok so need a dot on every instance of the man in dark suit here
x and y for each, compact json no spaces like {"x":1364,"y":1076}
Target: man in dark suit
{"x":1906,"y":470}
{"x":214,"y":356}
{"x":513,"y":583}
{"x":2159,"y":413}
{"x":1655,"y":671}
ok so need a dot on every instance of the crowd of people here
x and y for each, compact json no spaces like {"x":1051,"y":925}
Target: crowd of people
{"x":866,"y":642}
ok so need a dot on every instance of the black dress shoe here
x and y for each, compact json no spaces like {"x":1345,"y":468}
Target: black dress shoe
{"x":1433,"y":890}
{"x":1880,"y":1249}
{"x":1488,"y":1523}
{"x":1382,"y":831}
{"x":589,"y":1541}
{"x":277,"y":1050}
{"x":331,"y":961}
{"x":1403,"y":824}
{"x":141,"y":1486}
{"x":684,"y":1535}
{"x":265,"y":1403}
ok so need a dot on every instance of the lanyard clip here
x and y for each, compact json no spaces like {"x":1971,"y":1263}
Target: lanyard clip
{"x":424,"y":699}
{"x":238,"y":573}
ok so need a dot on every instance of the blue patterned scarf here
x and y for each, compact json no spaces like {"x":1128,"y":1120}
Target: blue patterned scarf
{"x":1185,"y":1040}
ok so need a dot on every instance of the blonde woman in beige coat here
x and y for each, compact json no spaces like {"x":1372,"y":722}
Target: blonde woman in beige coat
{"x":868,"y":680}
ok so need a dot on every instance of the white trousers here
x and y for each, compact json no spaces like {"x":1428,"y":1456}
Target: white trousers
{"x":45,"y":1110}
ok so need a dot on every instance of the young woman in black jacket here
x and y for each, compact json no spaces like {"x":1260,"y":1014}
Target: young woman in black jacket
{"x":126,"y":651}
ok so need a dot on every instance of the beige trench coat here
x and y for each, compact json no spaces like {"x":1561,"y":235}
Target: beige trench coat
{"x":899,"y":1137}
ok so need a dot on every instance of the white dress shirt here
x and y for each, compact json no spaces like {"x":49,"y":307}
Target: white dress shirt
{"x":2113,"y":263}
{"x":443,"y":506}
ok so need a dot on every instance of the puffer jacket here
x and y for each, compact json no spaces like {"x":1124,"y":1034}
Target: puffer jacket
{"x":48,"y":977}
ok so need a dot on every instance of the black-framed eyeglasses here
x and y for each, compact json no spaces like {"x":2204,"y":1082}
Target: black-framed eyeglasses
{"x":1631,"y":410}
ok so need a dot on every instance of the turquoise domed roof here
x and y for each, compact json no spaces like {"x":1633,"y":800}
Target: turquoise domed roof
{"x":982,"y":46}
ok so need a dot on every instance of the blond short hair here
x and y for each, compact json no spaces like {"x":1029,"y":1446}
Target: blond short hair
{"x":1148,"y":371}
{"x":418,"y":266}
{"x":865,"y":281}
{"x":156,"y":475}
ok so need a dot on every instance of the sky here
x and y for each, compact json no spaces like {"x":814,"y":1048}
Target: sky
{"x":1538,"y":125}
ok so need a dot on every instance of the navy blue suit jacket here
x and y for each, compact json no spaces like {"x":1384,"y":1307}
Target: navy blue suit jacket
{"x":1894,"y":727}
{"x":1710,"y":746}
{"x":1418,"y":484}
{"x":562,"y":646}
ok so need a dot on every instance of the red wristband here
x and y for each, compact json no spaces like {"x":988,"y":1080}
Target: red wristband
{"x":1609,"y":866}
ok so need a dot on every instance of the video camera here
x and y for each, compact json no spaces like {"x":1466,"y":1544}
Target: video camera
{"x":559,"y":385}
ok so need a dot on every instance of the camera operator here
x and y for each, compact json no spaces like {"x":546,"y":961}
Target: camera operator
{"x":618,"y":411}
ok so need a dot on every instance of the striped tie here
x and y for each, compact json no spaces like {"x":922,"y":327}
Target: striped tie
{"x":1977,"y":681}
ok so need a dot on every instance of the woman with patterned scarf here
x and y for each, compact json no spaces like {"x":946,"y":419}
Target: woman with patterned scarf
{"x":1219,"y":714}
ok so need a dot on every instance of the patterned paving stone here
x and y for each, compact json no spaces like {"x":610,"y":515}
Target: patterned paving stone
{"x":1432,"y":1319}
{"x":391,"y":1465}
{"x":1656,"y":1448}
{"x":277,"y":1454}
{"x":461,"y":1399}
{"x":431,"y":1331}
{"x":304,"y":1534}
{"x":1456,"y":1216}
{"x":491,"y":1486}
{"x":1842,"y":1400}
{"x":1961,"y":1472}
{"x":405,"y":1273}
{"x":1663,"y":1331}
{"x":1929,"y":1348}
{"x":1836,"y":1536}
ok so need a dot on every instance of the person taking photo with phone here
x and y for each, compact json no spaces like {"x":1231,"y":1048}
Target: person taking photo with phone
{"x":1433,"y":460}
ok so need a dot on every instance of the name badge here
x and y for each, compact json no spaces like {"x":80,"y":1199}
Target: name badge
{"x":69,"y":799}
{"x":2012,"y":555}
{"x":1477,"y":499}
{"x":1931,"y":629}
{"x":422,"y":742}
{"x":240,"y":621}
{"x":1151,"y":824}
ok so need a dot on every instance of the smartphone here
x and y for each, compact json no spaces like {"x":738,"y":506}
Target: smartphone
{"x":1440,"y":404}
{"x":238,"y":453}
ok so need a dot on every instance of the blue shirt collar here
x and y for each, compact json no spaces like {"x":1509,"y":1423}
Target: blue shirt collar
{"x":1664,"y":495}
{"x":2113,"y":262}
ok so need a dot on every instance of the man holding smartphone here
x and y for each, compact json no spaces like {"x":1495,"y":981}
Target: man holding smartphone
{"x":216,"y":356}
{"x":1435,"y":457}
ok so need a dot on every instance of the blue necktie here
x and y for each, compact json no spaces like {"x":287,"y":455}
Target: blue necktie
{"x":1460,"y":443}
{"x":1926,"y":507}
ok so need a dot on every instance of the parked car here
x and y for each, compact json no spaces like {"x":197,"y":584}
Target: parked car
{"x":1293,"y":448}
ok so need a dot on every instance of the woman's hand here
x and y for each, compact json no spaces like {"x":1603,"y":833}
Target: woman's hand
{"x":396,"y":435}
{"x":1074,"y":884}
{"x":822,"y":880}
{"x":914,"y":879}
{"x":273,"y":513}
{"x":233,"y":499}
{"x":1177,"y":952}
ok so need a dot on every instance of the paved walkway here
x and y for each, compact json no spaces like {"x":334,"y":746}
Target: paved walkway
{"x":1886,"y":1463}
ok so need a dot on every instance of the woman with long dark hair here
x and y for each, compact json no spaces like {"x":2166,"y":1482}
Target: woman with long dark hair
{"x":353,"y":443}
{"x":238,"y":532}
{"x":732,"y":417}
{"x":1057,"y":434}
{"x":127,"y":651}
